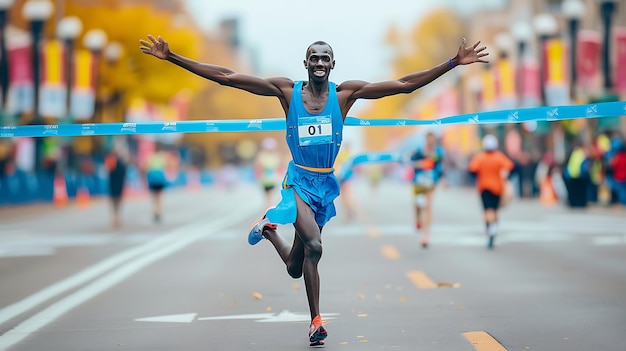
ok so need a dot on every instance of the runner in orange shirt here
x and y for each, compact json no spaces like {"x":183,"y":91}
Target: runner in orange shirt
{"x":491,"y":168}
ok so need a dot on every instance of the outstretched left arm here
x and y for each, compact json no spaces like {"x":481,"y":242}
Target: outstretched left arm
{"x":414,"y":81}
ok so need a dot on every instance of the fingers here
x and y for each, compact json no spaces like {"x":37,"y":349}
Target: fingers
{"x":476,"y":44}
{"x":462,"y":46}
{"x":481,"y":49}
{"x":154,"y":41}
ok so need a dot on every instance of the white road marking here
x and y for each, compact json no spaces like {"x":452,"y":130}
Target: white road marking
{"x":37,"y":246}
{"x":26,"y":251}
{"x":283,"y":316}
{"x":141,"y":257}
{"x":609,"y":240}
{"x":173,"y":318}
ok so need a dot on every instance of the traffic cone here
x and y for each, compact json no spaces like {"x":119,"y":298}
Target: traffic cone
{"x":59,"y":194}
{"x":547,"y":194}
{"x":82,"y":197}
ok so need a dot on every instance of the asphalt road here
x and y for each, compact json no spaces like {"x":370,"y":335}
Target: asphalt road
{"x":556,"y":280}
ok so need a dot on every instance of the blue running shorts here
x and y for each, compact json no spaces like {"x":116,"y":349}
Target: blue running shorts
{"x":317,"y":189}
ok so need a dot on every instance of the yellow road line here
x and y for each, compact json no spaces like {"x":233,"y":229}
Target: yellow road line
{"x":421,"y":280}
{"x":482,"y":341}
{"x":390,"y":252}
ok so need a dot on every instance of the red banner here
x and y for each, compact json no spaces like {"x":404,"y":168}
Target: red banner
{"x":588,"y":62}
{"x":20,"y":67}
{"x":530,"y":83}
{"x":620,"y":60}
{"x":20,"y":98}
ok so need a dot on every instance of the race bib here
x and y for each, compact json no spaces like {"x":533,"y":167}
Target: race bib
{"x":315,"y":130}
{"x":425,"y":179}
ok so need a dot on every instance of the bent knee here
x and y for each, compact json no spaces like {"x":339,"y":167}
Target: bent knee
{"x":313,"y":250}
{"x":294,"y":271}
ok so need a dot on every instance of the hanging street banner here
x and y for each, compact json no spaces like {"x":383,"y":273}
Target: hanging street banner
{"x":588,"y":62}
{"x":83,"y":92}
{"x":505,"y":78}
{"x":530,"y":83}
{"x":53,"y":87}
{"x":557,"y":87}
{"x":488,"y":91}
{"x":620,"y":60}
{"x":21,"y":94}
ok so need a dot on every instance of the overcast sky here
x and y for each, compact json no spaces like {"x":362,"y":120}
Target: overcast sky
{"x":279,"y":31}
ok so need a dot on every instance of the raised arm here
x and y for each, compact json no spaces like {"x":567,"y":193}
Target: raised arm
{"x":414,"y":81}
{"x":159,"y":48}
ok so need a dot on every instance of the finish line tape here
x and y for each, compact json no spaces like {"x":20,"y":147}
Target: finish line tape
{"x":548,"y":113}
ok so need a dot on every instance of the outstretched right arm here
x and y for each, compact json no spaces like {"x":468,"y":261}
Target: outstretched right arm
{"x":222,"y":75}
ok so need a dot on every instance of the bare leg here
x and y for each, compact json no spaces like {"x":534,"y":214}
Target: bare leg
{"x":292,"y":255}
{"x":418,"y":219}
{"x":305,"y":253}
{"x":311,"y":236}
{"x":427,"y":218}
{"x":115,"y":208}
{"x":158,"y":204}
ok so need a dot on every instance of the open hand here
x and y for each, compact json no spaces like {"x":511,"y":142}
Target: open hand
{"x":158,"y":47}
{"x":467,"y":55}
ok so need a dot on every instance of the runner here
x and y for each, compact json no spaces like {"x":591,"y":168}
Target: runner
{"x":491,"y":168}
{"x":428,"y":170}
{"x":315,"y":110}
{"x":266,"y":166}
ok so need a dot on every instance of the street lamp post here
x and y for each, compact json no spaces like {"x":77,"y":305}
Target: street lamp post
{"x":5,"y":5}
{"x":573,"y":10}
{"x":607,"y":7}
{"x":95,"y":40}
{"x":522,"y":32}
{"x":37,"y":12}
{"x":68,"y":29}
{"x":112,"y":54}
{"x":545,"y":26}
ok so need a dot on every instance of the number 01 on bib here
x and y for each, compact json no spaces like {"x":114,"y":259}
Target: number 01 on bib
{"x":315,"y":130}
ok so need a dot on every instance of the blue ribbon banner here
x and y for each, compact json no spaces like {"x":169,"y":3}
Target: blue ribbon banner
{"x":549,"y":113}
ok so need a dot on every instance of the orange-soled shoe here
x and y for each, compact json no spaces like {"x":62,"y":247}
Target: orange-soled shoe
{"x":317,"y":332}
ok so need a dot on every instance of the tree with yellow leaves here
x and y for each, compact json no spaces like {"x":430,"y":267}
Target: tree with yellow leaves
{"x":419,"y":49}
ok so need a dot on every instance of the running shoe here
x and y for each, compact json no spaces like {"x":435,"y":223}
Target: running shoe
{"x":317,"y":332}
{"x":491,"y":242}
{"x":256,"y":232}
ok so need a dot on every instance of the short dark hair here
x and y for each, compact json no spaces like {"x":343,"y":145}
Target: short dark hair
{"x":319,"y":42}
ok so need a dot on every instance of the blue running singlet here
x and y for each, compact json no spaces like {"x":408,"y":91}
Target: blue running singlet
{"x":314,"y":141}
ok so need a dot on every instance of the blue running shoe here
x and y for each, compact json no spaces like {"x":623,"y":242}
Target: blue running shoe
{"x":256,"y":232}
{"x":490,"y":243}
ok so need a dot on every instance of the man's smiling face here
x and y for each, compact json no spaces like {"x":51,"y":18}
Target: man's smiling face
{"x":319,"y":61}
